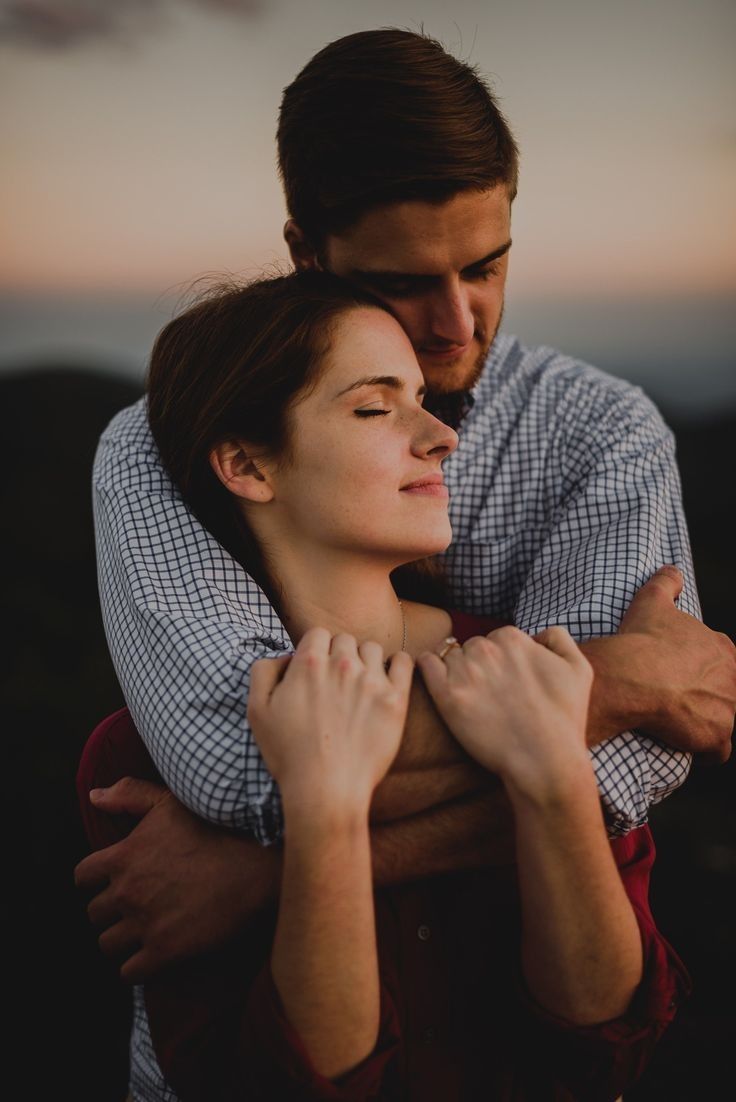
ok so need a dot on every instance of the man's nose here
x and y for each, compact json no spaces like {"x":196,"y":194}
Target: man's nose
{"x":449,"y":321}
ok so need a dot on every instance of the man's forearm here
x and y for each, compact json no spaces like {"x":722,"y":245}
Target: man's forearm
{"x":664,"y":673}
{"x":621,"y":699}
{"x":431,"y":768}
{"x":403,"y":794}
{"x":472,"y":832}
{"x":427,"y":742}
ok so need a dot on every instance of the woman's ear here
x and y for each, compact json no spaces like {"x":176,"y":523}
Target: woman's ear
{"x":303,"y":255}
{"x":237,"y":469}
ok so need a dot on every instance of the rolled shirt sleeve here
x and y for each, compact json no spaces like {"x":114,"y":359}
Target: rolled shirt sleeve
{"x":600,"y":1061}
{"x":565,"y":501}
{"x":184,"y":625}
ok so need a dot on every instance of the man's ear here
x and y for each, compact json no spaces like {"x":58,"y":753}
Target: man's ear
{"x":302,"y":253}
{"x":239,"y":472}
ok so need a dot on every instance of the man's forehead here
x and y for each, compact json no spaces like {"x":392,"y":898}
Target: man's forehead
{"x":420,"y":238}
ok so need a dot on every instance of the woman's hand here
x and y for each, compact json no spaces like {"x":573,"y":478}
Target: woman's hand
{"x":517,"y":705}
{"x":329,"y":719}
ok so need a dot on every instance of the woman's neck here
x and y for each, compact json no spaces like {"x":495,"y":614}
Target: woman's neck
{"x":342,"y":593}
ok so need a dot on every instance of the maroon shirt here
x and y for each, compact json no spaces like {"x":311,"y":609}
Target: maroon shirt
{"x":457,"y":1023}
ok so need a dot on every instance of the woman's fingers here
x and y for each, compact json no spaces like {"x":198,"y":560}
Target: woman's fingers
{"x":434,"y":672}
{"x":344,"y":650}
{"x":316,"y":641}
{"x":559,"y":641}
{"x":371,"y":654}
{"x":400,"y":670}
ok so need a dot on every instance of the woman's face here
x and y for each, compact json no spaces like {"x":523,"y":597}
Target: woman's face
{"x":363,"y":472}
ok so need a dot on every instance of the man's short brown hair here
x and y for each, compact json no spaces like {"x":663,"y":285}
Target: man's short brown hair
{"x":383,"y":116}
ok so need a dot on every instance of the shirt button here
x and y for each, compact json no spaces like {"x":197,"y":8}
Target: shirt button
{"x":429,"y":1035}
{"x":424,"y":933}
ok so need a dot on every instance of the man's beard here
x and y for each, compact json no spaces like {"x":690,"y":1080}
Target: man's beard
{"x":440,"y":392}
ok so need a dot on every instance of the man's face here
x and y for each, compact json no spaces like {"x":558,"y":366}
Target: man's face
{"x":441,"y":270}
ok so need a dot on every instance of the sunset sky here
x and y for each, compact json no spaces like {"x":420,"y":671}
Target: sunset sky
{"x":138,"y":138}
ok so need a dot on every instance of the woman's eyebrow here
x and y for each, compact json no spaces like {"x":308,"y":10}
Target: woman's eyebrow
{"x":391,"y":381}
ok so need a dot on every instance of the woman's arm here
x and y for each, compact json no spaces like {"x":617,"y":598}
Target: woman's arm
{"x":324,"y":960}
{"x":519,"y":706}
{"x":581,"y":949}
{"x":328,"y":731}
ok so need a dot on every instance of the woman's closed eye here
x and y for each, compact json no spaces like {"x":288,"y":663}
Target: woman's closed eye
{"x":371,"y":412}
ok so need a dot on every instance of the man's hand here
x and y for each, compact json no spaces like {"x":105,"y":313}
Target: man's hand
{"x":666,"y":673}
{"x":176,"y":886}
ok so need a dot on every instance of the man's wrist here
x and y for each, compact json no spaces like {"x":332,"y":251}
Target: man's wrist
{"x":622,"y":697}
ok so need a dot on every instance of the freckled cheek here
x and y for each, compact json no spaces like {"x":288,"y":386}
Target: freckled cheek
{"x":355,"y":472}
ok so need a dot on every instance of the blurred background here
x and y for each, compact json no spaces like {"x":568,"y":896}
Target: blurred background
{"x":138,"y":154}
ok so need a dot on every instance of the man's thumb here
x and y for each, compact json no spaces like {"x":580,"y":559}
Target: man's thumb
{"x":669,"y":580}
{"x":128,"y":796}
{"x":665,"y":584}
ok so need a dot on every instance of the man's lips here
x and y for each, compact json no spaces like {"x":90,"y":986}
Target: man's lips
{"x":447,"y":354}
{"x":431,"y":485}
{"x":444,"y":354}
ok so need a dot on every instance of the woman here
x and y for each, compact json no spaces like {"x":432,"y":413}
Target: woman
{"x":290,"y":415}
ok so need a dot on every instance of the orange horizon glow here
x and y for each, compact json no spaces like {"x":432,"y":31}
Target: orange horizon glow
{"x":138,"y":167}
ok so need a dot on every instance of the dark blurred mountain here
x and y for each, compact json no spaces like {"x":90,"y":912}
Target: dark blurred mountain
{"x":693,"y":897}
{"x":58,"y":682}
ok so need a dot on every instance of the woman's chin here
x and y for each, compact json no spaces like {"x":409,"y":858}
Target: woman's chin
{"x":424,"y":549}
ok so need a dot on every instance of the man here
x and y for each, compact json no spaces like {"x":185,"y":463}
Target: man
{"x":399,"y":173}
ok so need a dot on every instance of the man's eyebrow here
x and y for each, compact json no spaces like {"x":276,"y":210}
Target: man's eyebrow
{"x":390,"y":381}
{"x":377,"y":274}
{"x":495,"y":255}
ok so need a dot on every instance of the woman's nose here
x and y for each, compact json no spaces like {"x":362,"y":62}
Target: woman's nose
{"x":436,"y":438}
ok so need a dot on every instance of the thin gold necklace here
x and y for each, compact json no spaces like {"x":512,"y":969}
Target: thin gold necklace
{"x":403,"y":620}
{"x":387,"y":663}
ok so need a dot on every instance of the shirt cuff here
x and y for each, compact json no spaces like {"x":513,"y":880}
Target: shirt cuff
{"x":283,"y":1064}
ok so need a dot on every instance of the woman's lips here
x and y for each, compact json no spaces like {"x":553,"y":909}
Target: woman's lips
{"x":429,"y":488}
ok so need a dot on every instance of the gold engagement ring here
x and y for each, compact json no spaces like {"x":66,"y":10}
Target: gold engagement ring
{"x":447,"y":645}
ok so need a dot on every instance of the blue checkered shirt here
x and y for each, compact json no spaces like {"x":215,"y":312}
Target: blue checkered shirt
{"x":564,"y":499}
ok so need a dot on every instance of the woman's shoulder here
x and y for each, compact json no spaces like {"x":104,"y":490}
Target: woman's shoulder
{"x":466,"y":624}
{"x":429,"y":625}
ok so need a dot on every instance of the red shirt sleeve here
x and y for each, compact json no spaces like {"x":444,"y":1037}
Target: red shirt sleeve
{"x":598,"y":1062}
{"x":113,"y":750}
{"x":219,"y":1029}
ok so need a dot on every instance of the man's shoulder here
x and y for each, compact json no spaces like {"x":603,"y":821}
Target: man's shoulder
{"x":541,"y":369}
{"x":558,"y":386}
